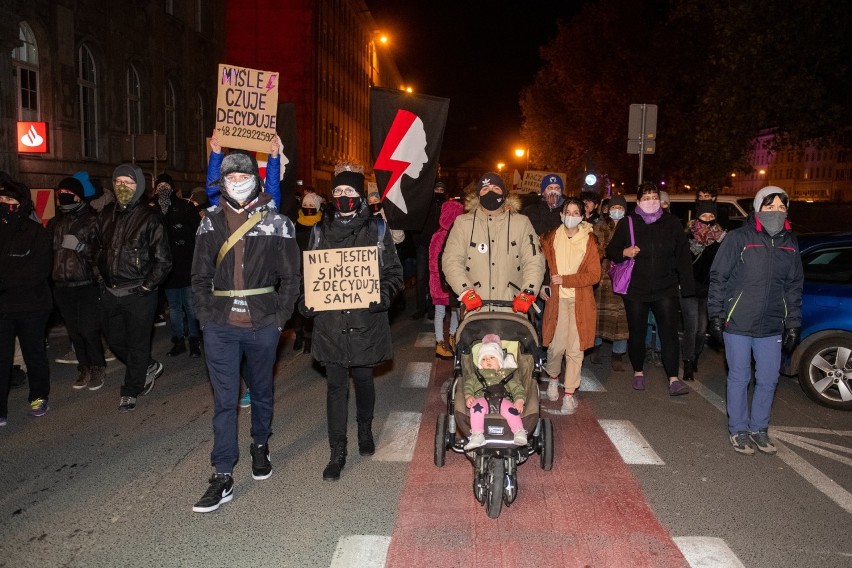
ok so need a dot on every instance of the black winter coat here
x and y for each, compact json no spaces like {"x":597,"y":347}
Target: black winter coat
{"x":181,"y":220}
{"x":25,"y":264}
{"x":756,"y":281}
{"x":542,"y":217}
{"x":663,"y":262}
{"x":134,"y":247}
{"x":69,"y":266}
{"x":357,"y":338}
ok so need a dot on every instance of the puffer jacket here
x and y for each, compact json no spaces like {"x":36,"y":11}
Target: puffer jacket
{"x":69,"y":266}
{"x":756,"y":281}
{"x":270,"y":258}
{"x":357,"y":338}
{"x":449,"y":211}
{"x":514,"y":390}
{"x":496,"y":253}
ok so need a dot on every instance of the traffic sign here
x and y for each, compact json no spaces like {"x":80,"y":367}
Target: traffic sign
{"x":636,"y":129}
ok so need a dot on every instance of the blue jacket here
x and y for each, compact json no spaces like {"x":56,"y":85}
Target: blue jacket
{"x":272,"y":184}
{"x":756,"y":281}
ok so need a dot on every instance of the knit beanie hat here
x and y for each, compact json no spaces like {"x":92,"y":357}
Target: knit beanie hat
{"x":491,"y":345}
{"x":354,"y":180}
{"x":492,"y":178}
{"x":88,"y":187}
{"x":551,"y":179}
{"x":617,"y":200}
{"x":311,"y":201}
{"x":238,"y":161}
{"x":764,"y":193}
{"x":706,"y":206}
{"x":73,"y":185}
{"x":664,"y":197}
{"x":164,"y":178}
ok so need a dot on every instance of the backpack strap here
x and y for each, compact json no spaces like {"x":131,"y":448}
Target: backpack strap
{"x":315,"y":237}
{"x":238,"y":234}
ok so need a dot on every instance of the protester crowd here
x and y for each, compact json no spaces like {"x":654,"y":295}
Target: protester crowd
{"x":227,"y":263}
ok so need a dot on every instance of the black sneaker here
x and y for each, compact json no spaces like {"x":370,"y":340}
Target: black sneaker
{"x":761,"y":441}
{"x":261,"y":466}
{"x":740,"y":443}
{"x":221,"y":490}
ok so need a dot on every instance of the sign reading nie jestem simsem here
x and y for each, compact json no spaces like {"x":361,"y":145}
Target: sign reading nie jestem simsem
{"x":341,"y":279}
{"x":246,"y":107}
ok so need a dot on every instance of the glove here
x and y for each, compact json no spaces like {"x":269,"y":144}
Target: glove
{"x":140,"y":291}
{"x":790,"y":338}
{"x":716,"y":327}
{"x":377,"y":307}
{"x":71,"y":242}
{"x":471,"y":300}
{"x":305,"y":310}
{"x":523,"y":301}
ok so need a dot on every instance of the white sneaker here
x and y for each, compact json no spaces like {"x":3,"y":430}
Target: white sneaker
{"x":521,"y":437}
{"x":477,"y":440}
{"x":552,"y":390}
{"x":569,"y":404}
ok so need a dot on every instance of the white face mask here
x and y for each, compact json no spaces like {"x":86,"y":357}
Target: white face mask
{"x":240,"y":191}
{"x":571,"y":222}
{"x":616,"y":214}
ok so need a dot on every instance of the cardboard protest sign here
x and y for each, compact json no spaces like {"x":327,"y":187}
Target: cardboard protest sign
{"x":532,"y":180}
{"x":341,"y":279}
{"x":246,"y":107}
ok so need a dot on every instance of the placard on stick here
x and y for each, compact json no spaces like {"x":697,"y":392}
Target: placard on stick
{"x":246,"y":107}
{"x":341,"y":279}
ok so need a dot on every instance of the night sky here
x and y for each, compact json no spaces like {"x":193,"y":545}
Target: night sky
{"x":479,"y":54}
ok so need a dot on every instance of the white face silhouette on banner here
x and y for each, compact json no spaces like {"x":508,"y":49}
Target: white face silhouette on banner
{"x":404,"y":152}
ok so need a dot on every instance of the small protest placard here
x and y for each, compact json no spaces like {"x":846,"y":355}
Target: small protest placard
{"x":341,"y":279}
{"x":532,"y":180}
{"x":246,"y":107}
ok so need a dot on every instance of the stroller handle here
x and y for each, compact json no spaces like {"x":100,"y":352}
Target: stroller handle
{"x":502,"y":304}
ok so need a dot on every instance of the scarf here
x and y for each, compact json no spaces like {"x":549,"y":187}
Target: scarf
{"x":649,"y":217}
{"x":164,"y":197}
{"x":704,"y":234}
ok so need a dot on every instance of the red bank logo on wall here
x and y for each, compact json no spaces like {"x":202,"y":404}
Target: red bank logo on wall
{"x":32,"y":137}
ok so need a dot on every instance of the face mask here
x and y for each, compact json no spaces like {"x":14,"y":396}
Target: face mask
{"x":345,"y":204}
{"x":309,"y":211}
{"x":772,"y":221}
{"x":440,"y":197}
{"x":124,"y":194}
{"x":241,"y":191}
{"x":651,"y":206}
{"x":375,"y":207}
{"x":571,"y":222}
{"x":9,"y":211}
{"x":616,"y":214}
{"x":491,"y":201}
{"x":553,"y":199}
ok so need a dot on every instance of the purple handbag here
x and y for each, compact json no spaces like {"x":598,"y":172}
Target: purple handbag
{"x":619,"y":272}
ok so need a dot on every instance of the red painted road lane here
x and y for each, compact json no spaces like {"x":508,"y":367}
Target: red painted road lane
{"x":588,"y":511}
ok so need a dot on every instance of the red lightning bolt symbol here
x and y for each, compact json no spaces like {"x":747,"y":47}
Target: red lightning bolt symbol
{"x":401,"y":123}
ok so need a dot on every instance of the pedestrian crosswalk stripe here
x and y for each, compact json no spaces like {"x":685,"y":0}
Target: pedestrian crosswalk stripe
{"x":707,"y":552}
{"x":425,"y":339}
{"x":361,"y":551}
{"x":632,"y":446}
{"x":589,"y":382}
{"x":396,"y":442}
{"x":417,"y":375}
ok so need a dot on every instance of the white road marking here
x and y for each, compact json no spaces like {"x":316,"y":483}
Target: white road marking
{"x":361,"y":551}
{"x":710,"y":396}
{"x":589,"y":382}
{"x":416,"y":376}
{"x":815,"y":445}
{"x":425,"y":339}
{"x":396,"y":442}
{"x":707,"y":552}
{"x":814,"y":476}
{"x":634,"y":449}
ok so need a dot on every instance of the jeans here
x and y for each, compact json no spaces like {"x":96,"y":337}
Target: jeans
{"x":619,"y":346}
{"x":180,"y":307}
{"x":127,"y":322}
{"x":83,"y":322}
{"x":224,"y":348}
{"x":694,"y":327}
{"x":337,"y":398}
{"x":739,"y":350}
{"x":29,"y":327}
{"x":440,"y":312}
{"x":665,"y":310}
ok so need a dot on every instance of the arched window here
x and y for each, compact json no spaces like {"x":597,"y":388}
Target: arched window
{"x":87,"y":82}
{"x":171,"y":120}
{"x":134,"y":101}
{"x":25,"y":67}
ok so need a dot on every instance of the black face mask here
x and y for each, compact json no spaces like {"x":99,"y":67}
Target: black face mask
{"x":440,"y":197}
{"x":491,"y":201}
{"x":346,"y":204}
{"x":9,"y":212}
{"x":309,"y":211}
{"x":375,"y":207}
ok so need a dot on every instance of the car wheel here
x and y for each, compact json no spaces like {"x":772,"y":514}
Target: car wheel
{"x":825,"y":372}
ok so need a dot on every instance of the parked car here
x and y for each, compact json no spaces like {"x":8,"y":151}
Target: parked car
{"x":732,"y":210}
{"x":823,"y":359}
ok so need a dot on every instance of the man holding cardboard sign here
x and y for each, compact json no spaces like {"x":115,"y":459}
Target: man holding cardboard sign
{"x":352,"y":275}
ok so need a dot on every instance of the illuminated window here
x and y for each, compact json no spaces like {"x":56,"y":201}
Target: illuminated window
{"x":25,"y":69}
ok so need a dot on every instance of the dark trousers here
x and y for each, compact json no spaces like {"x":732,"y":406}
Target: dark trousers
{"x":79,"y":308}
{"x":29,"y":327}
{"x":666,"y":313}
{"x":337,"y":399}
{"x":422,"y":287}
{"x":127,"y":322}
{"x":224,"y":348}
{"x":694,"y":312}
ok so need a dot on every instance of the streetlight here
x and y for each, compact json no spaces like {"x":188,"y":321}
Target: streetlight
{"x":500,"y":166}
{"x":521,"y":152}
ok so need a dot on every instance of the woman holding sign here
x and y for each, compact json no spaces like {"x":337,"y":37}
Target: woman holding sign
{"x":348,"y":338}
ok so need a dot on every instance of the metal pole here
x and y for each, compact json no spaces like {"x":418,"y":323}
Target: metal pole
{"x":641,"y":145}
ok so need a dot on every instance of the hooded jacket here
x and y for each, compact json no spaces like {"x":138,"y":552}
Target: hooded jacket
{"x":756,"y":281}
{"x":356,"y":338}
{"x":134,"y":244}
{"x":437,"y":286}
{"x":496,"y":253}
{"x":583,"y":281}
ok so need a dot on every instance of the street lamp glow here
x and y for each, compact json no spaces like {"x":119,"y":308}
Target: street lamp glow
{"x":383,"y":39}
{"x":500,"y":166}
{"x":519,"y":152}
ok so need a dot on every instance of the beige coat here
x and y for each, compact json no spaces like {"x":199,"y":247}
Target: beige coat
{"x":495,"y":253}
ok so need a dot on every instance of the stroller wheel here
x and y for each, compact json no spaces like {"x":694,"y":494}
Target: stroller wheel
{"x":495,"y":482}
{"x":441,"y":440}
{"x":510,"y":488}
{"x":546,"y":444}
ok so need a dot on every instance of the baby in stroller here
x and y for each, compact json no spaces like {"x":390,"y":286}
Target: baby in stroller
{"x":494,"y":378}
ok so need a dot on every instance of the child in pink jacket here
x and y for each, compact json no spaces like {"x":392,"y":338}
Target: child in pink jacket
{"x":438,"y":288}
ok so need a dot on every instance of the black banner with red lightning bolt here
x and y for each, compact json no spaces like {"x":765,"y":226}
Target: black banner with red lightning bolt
{"x":406,"y":133}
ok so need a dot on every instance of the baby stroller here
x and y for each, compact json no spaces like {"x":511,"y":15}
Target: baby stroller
{"x":495,"y":464}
